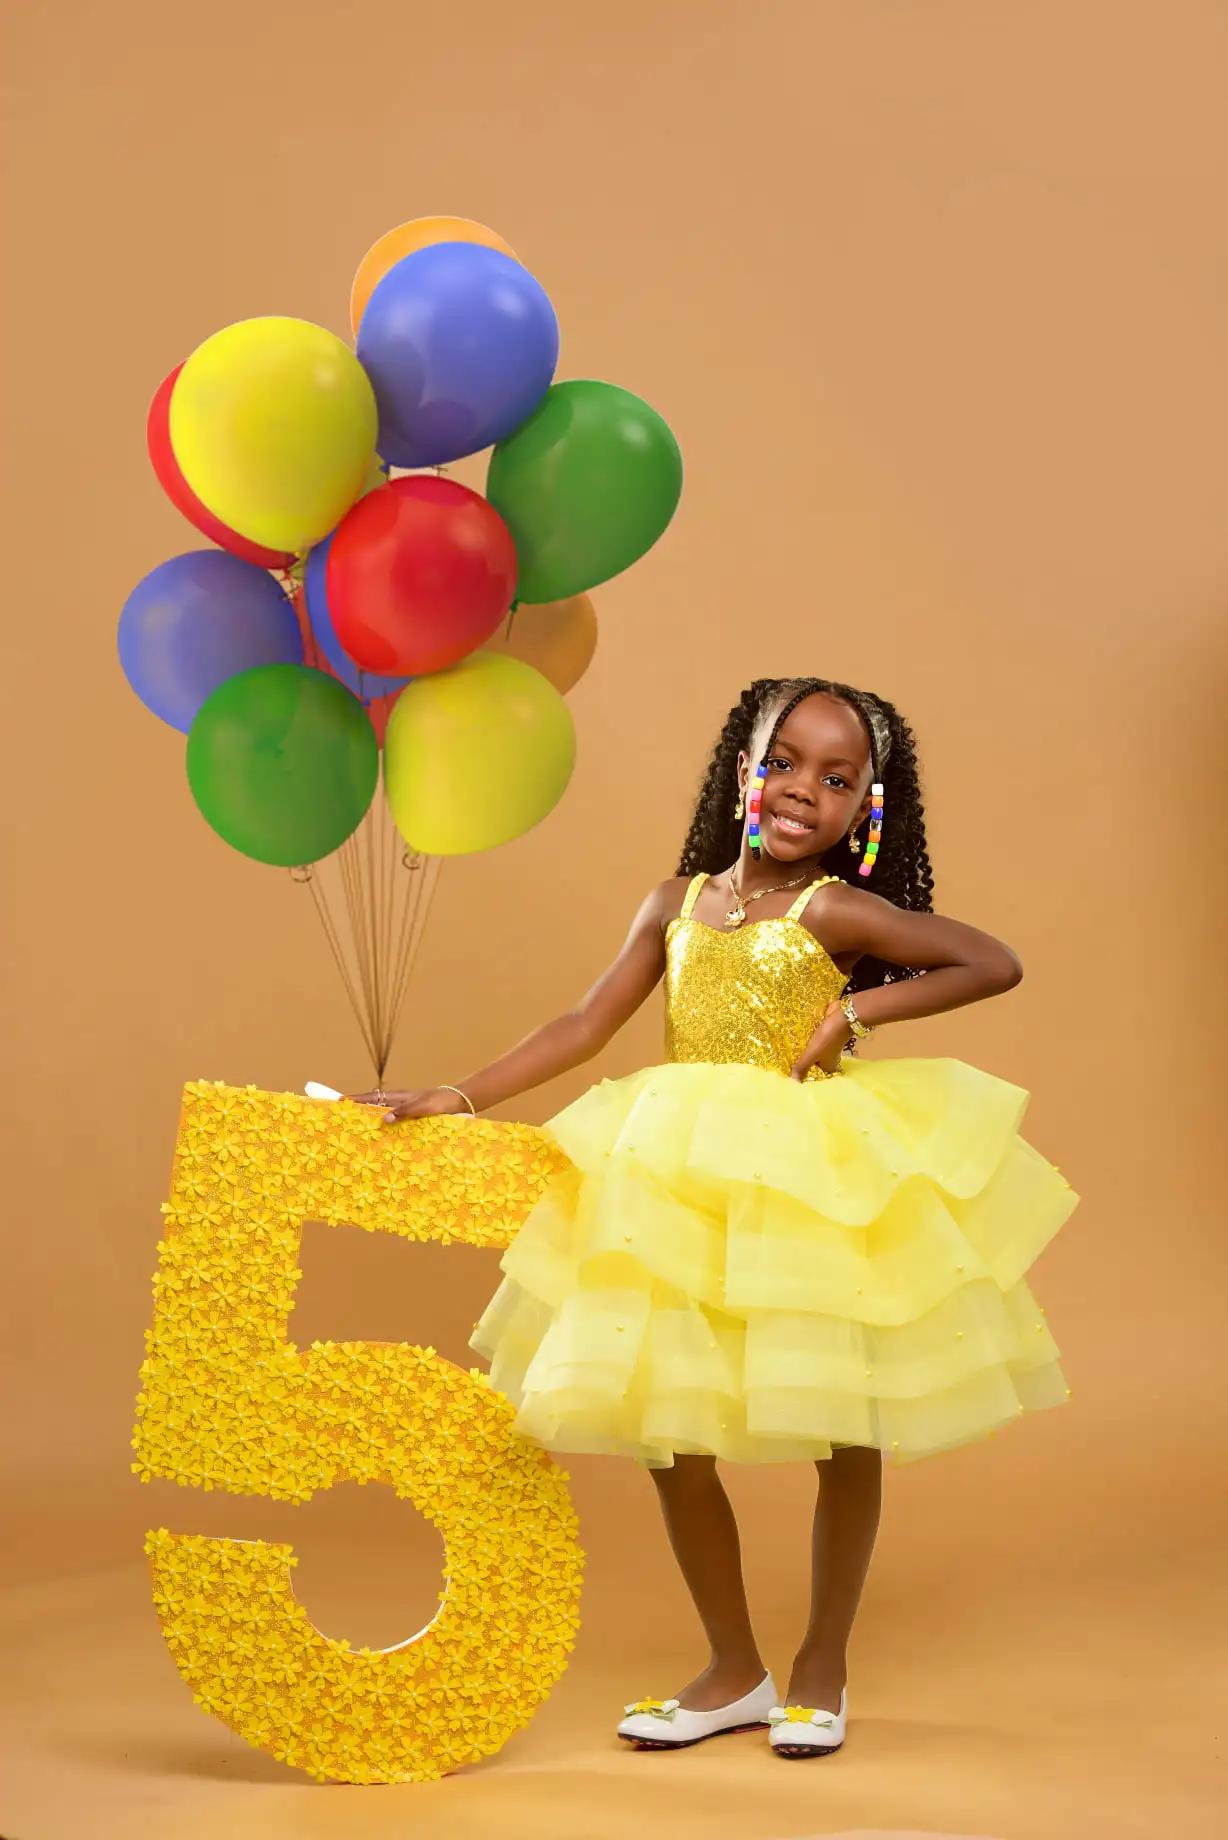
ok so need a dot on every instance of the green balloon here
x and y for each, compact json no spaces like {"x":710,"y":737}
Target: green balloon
{"x":585,"y":486}
{"x":283,"y":763}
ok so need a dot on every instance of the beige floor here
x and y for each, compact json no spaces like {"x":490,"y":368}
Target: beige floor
{"x":1076,"y":1696}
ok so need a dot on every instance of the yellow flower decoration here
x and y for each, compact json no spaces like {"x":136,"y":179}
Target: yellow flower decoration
{"x":228,"y":1402}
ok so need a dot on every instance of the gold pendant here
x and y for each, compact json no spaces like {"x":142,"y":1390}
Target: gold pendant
{"x":735,"y":916}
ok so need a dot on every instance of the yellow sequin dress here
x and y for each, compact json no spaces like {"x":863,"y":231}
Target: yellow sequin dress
{"x":759,"y":1268}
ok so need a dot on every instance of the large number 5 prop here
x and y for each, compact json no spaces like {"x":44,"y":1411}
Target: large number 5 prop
{"x":228,"y":1402}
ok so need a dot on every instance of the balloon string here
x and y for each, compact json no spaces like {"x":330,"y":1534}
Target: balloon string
{"x":423,"y":874}
{"x":345,"y":871}
{"x":395,"y":945}
{"x":371,"y":923}
{"x":388,"y":884}
{"x":320,"y":898}
{"x":387,"y":892}
{"x":350,"y":865}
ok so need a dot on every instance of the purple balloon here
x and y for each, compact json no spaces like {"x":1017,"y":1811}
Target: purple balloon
{"x":365,"y":684}
{"x":460,"y":343}
{"x":197,"y":620}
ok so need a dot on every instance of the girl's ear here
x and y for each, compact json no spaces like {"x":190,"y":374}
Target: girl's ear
{"x":744,"y":771}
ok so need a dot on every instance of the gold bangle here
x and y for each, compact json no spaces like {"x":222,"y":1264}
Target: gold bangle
{"x":473,"y":1110}
{"x":859,"y":1028}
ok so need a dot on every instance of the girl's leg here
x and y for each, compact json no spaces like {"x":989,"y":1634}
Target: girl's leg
{"x":845,"y":1525}
{"x":704,"y":1536}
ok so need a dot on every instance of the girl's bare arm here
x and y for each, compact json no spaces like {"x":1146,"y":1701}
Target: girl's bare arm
{"x":962,"y":965}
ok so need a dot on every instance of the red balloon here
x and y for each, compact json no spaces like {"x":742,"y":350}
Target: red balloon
{"x":181,"y":495}
{"x":312,"y":655}
{"x":379,"y":708}
{"x":420,"y":573}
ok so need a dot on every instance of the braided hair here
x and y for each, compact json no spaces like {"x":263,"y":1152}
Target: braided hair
{"x":902,"y":874}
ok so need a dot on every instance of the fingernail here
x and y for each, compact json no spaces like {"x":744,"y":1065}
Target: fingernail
{"x":390,"y":1117}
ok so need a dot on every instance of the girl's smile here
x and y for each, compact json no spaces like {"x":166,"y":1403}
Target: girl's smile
{"x":792,"y":824}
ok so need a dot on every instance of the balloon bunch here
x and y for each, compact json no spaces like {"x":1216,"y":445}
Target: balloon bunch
{"x":360,"y":600}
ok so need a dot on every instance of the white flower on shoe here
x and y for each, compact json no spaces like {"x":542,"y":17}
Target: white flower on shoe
{"x":657,"y":1708}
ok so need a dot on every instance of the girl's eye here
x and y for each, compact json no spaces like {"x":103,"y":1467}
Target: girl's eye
{"x":778,"y":764}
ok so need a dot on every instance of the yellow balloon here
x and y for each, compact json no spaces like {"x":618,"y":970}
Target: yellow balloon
{"x":273,"y":423}
{"x":420,"y":233}
{"x":512,"y":730}
{"x":558,"y":638}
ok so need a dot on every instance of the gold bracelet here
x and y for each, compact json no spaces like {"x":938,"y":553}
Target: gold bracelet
{"x":473,"y":1110}
{"x":859,"y":1028}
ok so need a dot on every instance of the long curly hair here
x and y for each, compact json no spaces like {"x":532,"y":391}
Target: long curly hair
{"x":902,"y":874}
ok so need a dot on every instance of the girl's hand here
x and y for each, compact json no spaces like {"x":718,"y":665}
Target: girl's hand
{"x":427,"y":1102}
{"x":826,"y":1045}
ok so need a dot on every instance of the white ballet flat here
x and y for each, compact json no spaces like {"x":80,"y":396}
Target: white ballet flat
{"x":664,"y":1725}
{"x":807,"y":1731}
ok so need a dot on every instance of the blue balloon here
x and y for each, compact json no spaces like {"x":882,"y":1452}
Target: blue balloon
{"x":197,"y":620}
{"x":365,"y":685}
{"x":460,"y":343}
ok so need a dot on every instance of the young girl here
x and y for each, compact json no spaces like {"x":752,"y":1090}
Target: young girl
{"x":765,"y":1251}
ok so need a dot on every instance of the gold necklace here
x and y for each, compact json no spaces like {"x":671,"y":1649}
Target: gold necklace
{"x":737,"y":913}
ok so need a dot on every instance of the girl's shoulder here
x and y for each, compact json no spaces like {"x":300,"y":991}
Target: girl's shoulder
{"x":836,"y":904}
{"x":668,"y":898}
{"x":662,"y":904}
{"x":832,"y":891}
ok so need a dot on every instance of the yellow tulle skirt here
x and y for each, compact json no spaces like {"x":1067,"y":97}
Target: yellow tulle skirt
{"x":758,"y":1269}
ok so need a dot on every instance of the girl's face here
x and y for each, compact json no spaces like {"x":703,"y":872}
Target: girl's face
{"x":818,"y":779}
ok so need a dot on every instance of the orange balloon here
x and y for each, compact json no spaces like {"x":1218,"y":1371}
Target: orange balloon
{"x":558,"y":638}
{"x":420,"y":233}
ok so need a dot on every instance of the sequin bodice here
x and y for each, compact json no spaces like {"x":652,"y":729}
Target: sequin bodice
{"x":754,"y":995}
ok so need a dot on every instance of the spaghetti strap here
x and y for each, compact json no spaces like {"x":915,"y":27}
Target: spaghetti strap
{"x":697,"y":882}
{"x":803,"y":900}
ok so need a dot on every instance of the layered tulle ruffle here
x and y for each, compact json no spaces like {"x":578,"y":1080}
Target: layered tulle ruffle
{"x":743,"y":1265}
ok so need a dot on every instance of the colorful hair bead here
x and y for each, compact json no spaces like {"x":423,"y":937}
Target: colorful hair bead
{"x":876,"y":829}
{"x":754,"y":800}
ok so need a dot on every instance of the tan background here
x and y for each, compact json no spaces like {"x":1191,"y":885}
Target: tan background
{"x":934,"y":296}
